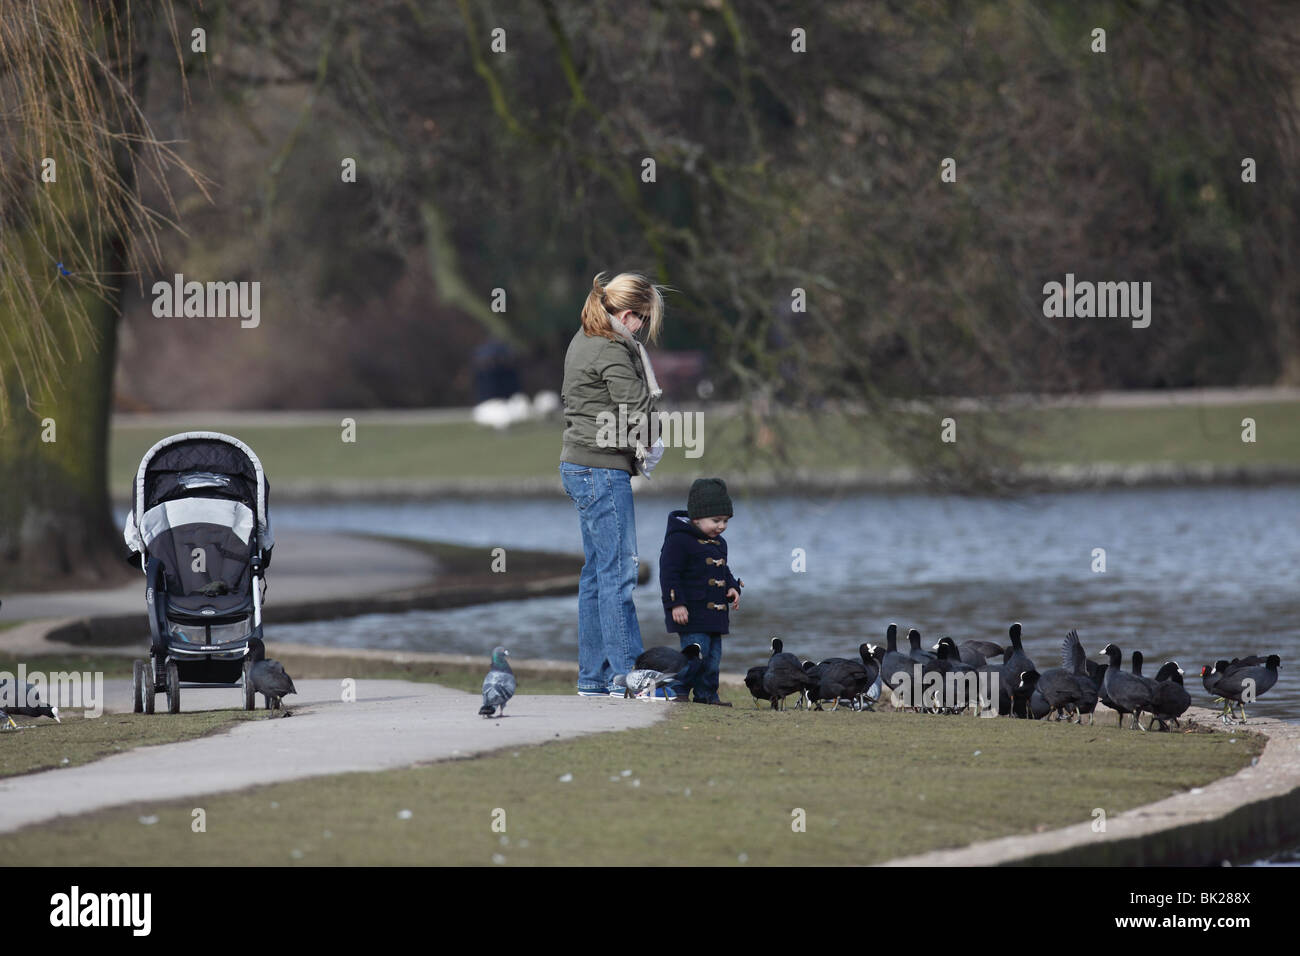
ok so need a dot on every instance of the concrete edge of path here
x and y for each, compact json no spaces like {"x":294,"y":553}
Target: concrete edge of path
{"x":1256,"y":808}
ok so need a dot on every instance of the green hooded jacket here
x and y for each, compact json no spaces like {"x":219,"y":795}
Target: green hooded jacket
{"x":601,"y":374}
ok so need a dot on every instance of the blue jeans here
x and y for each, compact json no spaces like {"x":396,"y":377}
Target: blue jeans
{"x":705,"y":684}
{"x":609,"y":637}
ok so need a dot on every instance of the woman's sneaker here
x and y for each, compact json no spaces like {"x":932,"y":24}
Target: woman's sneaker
{"x":584,"y":692}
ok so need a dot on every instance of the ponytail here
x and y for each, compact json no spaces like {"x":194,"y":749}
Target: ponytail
{"x":627,"y":290}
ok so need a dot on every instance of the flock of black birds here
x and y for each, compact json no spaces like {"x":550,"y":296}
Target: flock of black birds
{"x":952,"y":677}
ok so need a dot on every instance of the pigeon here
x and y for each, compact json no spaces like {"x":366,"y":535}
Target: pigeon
{"x":24,"y":704}
{"x":642,"y":682}
{"x":784,"y":676}
{"x":498,"y":685}
{"x":268,"y":678}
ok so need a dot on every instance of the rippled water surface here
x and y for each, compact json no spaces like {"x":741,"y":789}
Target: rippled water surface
{"x":1191,"y":574}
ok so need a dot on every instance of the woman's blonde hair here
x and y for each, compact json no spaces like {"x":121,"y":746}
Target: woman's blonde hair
{"x":627,"y":290}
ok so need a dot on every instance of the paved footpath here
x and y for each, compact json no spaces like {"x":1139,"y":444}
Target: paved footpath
{"x":392,"y":724}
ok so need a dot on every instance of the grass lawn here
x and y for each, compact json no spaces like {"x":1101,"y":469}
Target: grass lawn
{"x":462,"y":450}
{"x":707,"y":786}
{"x":42,"y":744}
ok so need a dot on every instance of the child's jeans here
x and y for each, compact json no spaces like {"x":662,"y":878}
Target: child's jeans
{"x":705,"y":684}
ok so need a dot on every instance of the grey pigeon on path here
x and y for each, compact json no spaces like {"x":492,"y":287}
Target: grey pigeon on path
{"x":24,"y":703}
{"x":498,"y":685}
{"x":268,"y":678}
{"x":642,"y":682}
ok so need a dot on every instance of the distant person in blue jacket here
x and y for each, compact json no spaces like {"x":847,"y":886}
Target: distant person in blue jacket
{"x":696,"y":582}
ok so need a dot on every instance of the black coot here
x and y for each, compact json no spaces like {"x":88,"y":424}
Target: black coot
{"x":916,"y":653}
{"x":871,"y":658}
{"x":754,"y":681}
{"x":1036,"y":706}
{"x":269,"y":678}
{"x":1129,"y":694}
{"x":1016,"y":662}
{"x":1210,"y":677}
{"x":785,"y":676}
{"x":1243,"y":682}
{"x":985,"y":649}
{"x":1169,"y":699}
{"x":896,"y":669}
{"x":1137,"y":671}
{"x":839,"y":678}
{"x":1060,"y":690}
{"x":24,"y":700}
{"x":684,"y":664}
{"x":1087,"y":674}
{"x":960,"y":687}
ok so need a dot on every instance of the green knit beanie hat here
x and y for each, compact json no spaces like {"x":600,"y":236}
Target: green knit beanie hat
{"x":708,"y":499}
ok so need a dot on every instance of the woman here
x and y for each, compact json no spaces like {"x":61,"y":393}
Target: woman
{"x":607,"y":380}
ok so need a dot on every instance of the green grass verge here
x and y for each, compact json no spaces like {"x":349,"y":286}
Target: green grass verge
{"x":465,"y":451}
{"x":42,"y":744}
{"x":707,"y":786}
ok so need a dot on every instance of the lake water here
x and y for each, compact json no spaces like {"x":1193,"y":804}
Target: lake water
{"x":1190,"y":574}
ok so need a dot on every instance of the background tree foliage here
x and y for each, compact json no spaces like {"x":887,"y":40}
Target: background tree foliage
{"x":775,"y":171}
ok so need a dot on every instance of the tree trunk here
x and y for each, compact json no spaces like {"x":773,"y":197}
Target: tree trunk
{"x":56,"y":525}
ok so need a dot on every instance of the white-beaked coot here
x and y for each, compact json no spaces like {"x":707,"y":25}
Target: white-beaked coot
{"x":1129,"y":694}
{"x":785,"y":676}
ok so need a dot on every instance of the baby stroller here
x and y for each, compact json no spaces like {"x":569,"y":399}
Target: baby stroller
{"x":198,"y":529}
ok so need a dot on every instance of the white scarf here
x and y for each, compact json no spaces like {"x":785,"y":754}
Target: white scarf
{"x":651,"y":382}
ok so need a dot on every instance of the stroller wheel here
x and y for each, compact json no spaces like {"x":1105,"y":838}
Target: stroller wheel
{"x":173,"y":688}
{"x":250,"y":695}
{"x":147,"y":686}
{"x":137,"y":687}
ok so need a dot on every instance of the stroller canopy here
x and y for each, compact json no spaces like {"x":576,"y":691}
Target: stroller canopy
{"x":201,"y":490}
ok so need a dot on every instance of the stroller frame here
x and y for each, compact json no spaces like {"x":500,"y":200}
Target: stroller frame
{"x":215,"y":463}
